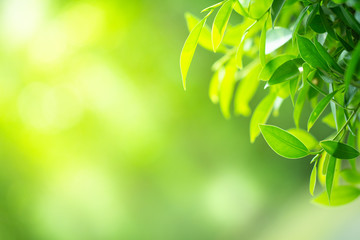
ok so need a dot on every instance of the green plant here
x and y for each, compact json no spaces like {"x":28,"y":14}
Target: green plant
{"x":303,"y":50}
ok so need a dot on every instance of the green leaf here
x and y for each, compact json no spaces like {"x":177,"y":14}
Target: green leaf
{"x":317,"y":25}
{"x":330,"y":173}
{"x":285,"y":72}
{"x":309,"y":140}
{"x":347,"y":18}
{"x":339,"y":150}
{"x":258,"y":8}
{"x":276,"y":38}
{"x":220,"y":23}
{"x":327,"y":24}
{"x":350,"y":176}
{"x":283,"y":143}
{"x":261,"y":115}
{"x":188,"y":50}
{"x":352,"y":67}
{"x":262,"y":43}
{"x":240,"y":8}
{"x":320,"y":107}
{"x":245,"y":91}
{"x":240,"y":49}
{"x":310,"y":54}
{"x":311,"y":15}
{"x":275,"y":10}
{"x":293,"y":85}
{"x":299,"y":104}
{"x":340,"y":195}
{"x":227,"y":88}
{"x":215,"y":86}
{"x":312,"y":180}
{"x":205,"y":36}
{"x":328,"y":58}
{"x":298,"y":23}
{"x":272,"y":65}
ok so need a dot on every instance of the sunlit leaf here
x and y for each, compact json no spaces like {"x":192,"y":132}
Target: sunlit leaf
{"x":276,"y":38}
{"x":329,"y":120}
{"x":293,"y":85}
{"x":309,"y":140}
{"x":261,"y":115}
{"x":320,"y":107}
{"x":310,"y":54}
{"x":283,"y":143}
{"x":312,"y":180}
{"x":214,"y":87}
{"x":220,"y":23}
{"x":258,"y":8}
{"x":227,"y":88}
{"x":339,"y":150}
{"x":330,"y":173}
{"x":205,"y":35}
{"x":212,"y":7}
{"x":188,"y":50}
{"x":245,"y":91}
{"x":340,"y":195}
{"x":270,"y":67}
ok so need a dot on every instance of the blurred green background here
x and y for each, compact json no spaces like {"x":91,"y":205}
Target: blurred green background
{"x":98,"y":140}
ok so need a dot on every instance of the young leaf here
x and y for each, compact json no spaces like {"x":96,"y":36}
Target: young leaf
{"x":355,"y":58}
{"x":313,"y":180}
{"x":205,"y":36}
{"x":310,"y":54}
{"x":241,"y":9}
{"x":309,"y":140}
{"x":351,"y":176}
{"x":285,"y":72}
{"x":283,"y":143}
{"x":339,"y":150}
{"x":275,"y":10}
{"x":330,"y":173}
{"x":261,"y":115}
{"x":320,"y":107}
{"x":258,"y":8}
{"x":220,"y":23}
{"x":227,"y":88}
{"x":275,"y":38}
{"x":340,"y":195}
{"x":272,"y":65}
{"x":188,"y":50}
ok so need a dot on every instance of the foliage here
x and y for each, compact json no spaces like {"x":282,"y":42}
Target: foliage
{"x":306,"y":51}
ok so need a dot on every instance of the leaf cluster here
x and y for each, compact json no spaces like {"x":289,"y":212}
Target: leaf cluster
{"x":305,"y":51}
